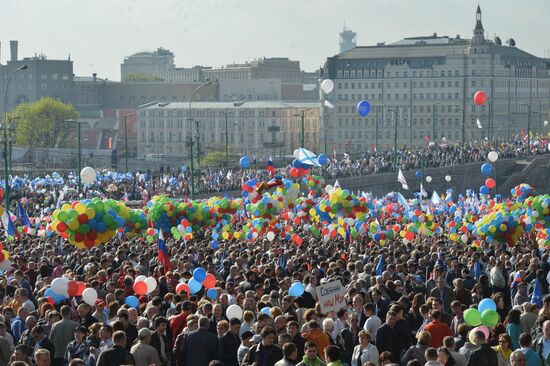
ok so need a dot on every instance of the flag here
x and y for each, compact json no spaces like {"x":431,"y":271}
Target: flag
{"x":348,"y":235}
{"x":8,"y":225}
{"x":328,"y":104}
{"x":478,"y":122}
{"x":423,"y":192}
{"x":402,"y":201}
{"x":336,"y":184}
{"x":22,"y":215}
{"x":229,"y":175}
{"x":477,"y":269}
{"x":270,"y":167}
{"x":401,"y":179}
{"x":436,"y":200}
{"x":515,"y":284}
{"x":60,"y":199}
{"x":163,"y":255}
{"x":536,"y":297}
{"x":380,"y":266}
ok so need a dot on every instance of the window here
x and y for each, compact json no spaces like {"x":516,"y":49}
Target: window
{"x":44,"y":76}
{"x":54,"y":76}
{"x":44,"y":86}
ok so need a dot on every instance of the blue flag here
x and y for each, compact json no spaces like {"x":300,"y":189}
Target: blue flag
{"x":536,"y":296}
{"x":380,"y":266}
{"x":477,"y":269}
{"x":22,"y":215}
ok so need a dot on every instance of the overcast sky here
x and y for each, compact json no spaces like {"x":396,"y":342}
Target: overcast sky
{"x":98,"y":34}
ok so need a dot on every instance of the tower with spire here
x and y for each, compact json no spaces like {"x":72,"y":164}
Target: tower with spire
{"x":347,"y":39}
{"x":479,"y":32}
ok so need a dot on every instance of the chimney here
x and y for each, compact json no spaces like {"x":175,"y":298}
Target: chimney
{"x":13,"y":49}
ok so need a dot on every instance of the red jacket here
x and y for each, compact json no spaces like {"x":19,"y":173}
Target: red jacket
{"x":438,"y":331}
{"x":177,"y":323}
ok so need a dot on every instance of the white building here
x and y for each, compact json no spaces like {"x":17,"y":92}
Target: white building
{"x":429,"y":83}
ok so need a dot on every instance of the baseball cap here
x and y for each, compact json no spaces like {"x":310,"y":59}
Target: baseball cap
{"x":257,"y":338}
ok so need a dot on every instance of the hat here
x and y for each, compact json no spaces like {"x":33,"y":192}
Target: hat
{"x":144,"y":333}
{"x":257,"y":338}
{"x":99,"y":302}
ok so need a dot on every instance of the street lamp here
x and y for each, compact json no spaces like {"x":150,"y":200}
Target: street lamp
{"x":226,"y":114}
{"x":394,"y":138}
{"x":302,"y":115}
{"x":131,"y":114}
{"x":528,"y":127}
{"x":11,"y":140}
{"x":79,"y":160}
{"x":190,"y":141}
{"x":6,"y":173}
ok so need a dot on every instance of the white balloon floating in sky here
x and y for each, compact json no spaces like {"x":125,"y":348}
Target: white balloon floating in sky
{"x":327,"y":86}
{"x":545,"y":123}
{"x":87,"y":175}
{"x":448,"y":178}
{"x":492,"y":156}
{"x":428,"y":179}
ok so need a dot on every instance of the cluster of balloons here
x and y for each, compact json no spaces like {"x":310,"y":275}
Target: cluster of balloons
{"x":299,"y":169}
{"x":199,"y":280}
{"x":90,"y":222}
{"x":522,"y":192}
{"x":62,"y":288}
{"x":315,"y":184}
{"x":136,"y":223}
{"x":502,"y":226}
{"x":485,"y":314}
{"x":163,"y":212}
{"x":142,"y":286}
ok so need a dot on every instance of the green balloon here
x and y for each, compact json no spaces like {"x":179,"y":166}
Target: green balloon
{"x":472,"y":317}
{"x":489,"y":318}
{"x":72,"y":214}
{"x":149,"y":239}
{"x":84,"y":229}
{"x":63,"y":216}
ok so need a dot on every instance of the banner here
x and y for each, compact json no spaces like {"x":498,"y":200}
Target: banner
{"x":331,"y":296}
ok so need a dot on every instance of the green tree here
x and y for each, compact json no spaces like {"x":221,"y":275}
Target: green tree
{"x":44,"y":123}
{"x":136,"y":77}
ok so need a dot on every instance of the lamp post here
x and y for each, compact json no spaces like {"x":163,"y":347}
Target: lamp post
{"x":6,"y":173}
{"x":528,"y":127}
{"x":302,"y":115}
{"x":226,"y":114}
{"x":11,"y":140}
{"x":126,"y":138}
{"x":433,"y":122}
{"x":190,"y":141}
{"x":79,"y":160}
{"x":376,"y":130}
{"x":394,"y":138}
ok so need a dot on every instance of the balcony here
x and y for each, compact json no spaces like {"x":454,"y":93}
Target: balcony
{"x":274,"y":128}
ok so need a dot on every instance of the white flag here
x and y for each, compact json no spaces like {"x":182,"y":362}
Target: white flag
{"x":436,"y":200}
{"x":478,"y":122}
{"x":336,"y":184}
{"x":328,"y":104}
{"x":401,"y":179}
{"x":423,"y":192}
{"x":229,"y":175}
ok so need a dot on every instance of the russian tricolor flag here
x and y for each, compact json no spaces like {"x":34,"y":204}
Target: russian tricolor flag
{"x":271,"y":168}
{"x":163,"y":255}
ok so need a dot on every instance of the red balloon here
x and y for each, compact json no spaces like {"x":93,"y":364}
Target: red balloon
{"x":72,"y":288}
{"x":209,"y":281}
{"x":480,"y":97}
{"x":81,"y":288}
{"x":61,"y":227}
{"x":82,"y":218}
{"x":183,"y":287}
{"x":490,"y":183}
{"x":50,"y":300}
{"x":78,"y":237}
{"x":140,"y":288}
{"x":294,"y":172}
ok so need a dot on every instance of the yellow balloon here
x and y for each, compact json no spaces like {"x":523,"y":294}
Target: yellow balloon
{"x":80,"y":208}
{"x":66,"y":207}
{"x":90,"y":212}
{"x":225,"y":235}
{"x":73,"y":224}
{"x":6,"y":254}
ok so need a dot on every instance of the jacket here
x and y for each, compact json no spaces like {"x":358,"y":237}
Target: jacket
{"x":157,"y":345}
{"x":144,"y":354}
{"x":228,"y":347}
{"x":274,"y":355}
{"x":283,"y":362}
{"x":438,"y":331}
{"x":483,"y":355}
{"x":115,"y":356}
{"x":307,"y":362}
{"x":5,"y":351}
{"x":415,"y":352}
{"x":199,"y":348}
{"x":320,"y":338}
{"x":370,"y":353}
{"x":61,"y":334}
{"x":390,"y":339}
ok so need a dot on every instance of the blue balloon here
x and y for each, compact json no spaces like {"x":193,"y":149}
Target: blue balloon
{"x":418,"y":173}
{"x":212,"y":293}
{"x":199,"y":274}
{"x":265,"y":310}
{"x":194,"y":286}
{"x":244,"y":162}
{"x":486,"y":169}
{"x":49,"y":293}
{"x":363,"y":108}
{"x":484,"y":189}
{"x":296,"y":289}
{"x":215,"y":244}
{"x":486,"y":304}
{"x":131,"y":301}
{"x":296,"y":163}
{"x":323,"y":159}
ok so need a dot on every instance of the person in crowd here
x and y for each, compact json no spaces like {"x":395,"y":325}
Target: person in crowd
{"x":483,"y":354}
{"x":365,"y":351}
{"x":117,"y":353}
{"x":311,"y":355}
{"x":265,"y":353}
{"x":142,"y":352}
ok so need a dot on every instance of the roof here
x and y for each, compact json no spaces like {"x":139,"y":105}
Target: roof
{"x":233,"y":105}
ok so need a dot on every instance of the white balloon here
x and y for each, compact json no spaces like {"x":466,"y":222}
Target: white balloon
{"x":270,"y":236}
{"x":89,"y":296}
{"x":545,"y":123}
{"x":87,"y":175}
{"x":151,"y":284}
{"x":327,"y":86}
{"x":448,"y":178}
{"x":234,"y":311}
{"x":59,"y":286}
{"x":140,"y":278}
{"x":329,"y":188}
{"x":492,"y":156}
{"x":428,"y":179}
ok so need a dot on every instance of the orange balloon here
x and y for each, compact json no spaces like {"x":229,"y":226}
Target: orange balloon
{"x":183,"y":287}
{"x":140,"y":288}
{"x":209,"y":281}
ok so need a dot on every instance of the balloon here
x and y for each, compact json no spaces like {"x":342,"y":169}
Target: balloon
{"x":140,"y":278}
{"x":448,"y":178}
{"x":296,"y":163}
{"x":472,"y":317}
{"x":244,"y":162}
{"x":131,"y":301}
{"x":484,"y":330}
{"x":323,"y":159}
{"x":59,"y":286}
{"x":428,"y":179}
{"x":234,"y":311}
{"x":480,"y":97}
{"x":489,"y":318}
{"x":89,"y":296}
{"x":327,"y":86}
{"x":492,"y":156}
{"x":545,"y":123}
{"x":183,"y":287}
{"x":194,"y":286}
{"x":486,"y":304}
{"x":212,"y":293}
{"x":72,"y":288}
{"x":140,"y":288}
{"x":486,"y":169}
{"x":199,"y":274}
{"x":81,"y":288}
{"x":209,"y":281}
{"x":151,"y":283}
{"x":296,"y":289}
{"x":363,"y":108}
{"x":270,"y":236}
{"x":490,"y":183}
{"x":418,"y":173}
{"x":88,"y":175}
{"x":484,"y":190}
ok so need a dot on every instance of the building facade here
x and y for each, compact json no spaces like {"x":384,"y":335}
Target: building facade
{"x":423,"y":88}
{"x":256,"y":128}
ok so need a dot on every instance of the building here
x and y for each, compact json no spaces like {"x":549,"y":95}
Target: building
{"x":42,"y":78}
{"x":256,"y":128}
{"x":347,"y":40}
{"x":427,"y":84}
{"x":249,"y":89}
{"x":159,"y":65}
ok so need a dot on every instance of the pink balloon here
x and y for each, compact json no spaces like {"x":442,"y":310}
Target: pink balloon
{"x":485,"y":331}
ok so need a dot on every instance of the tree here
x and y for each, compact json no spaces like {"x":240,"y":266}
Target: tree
{"x":137,"y":77}
{"x":44,"y":123}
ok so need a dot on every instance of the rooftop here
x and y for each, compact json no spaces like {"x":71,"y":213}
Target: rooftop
{"x":232,"y":105}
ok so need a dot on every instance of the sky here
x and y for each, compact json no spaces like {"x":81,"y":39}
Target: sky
{"x":98,"y":34}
